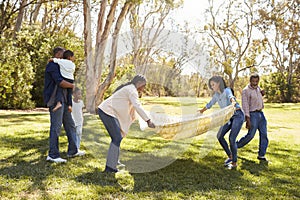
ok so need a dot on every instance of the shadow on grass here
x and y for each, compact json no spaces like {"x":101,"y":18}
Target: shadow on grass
{"x":30,"y":116}
{"x":25,"y":166}
{"x":187,"y":176}
{"x":28,"y":161}
{"x":28,"y":153}
{"x":252,"y":166}
{"x":14,"y":119}
{"x":98,"y":177}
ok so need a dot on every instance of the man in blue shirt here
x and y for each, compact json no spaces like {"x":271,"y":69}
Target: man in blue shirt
{"x":54,"y":79}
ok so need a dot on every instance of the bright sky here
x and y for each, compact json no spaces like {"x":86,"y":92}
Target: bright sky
{"x":193,"y":10}
{"x":192,"y":13}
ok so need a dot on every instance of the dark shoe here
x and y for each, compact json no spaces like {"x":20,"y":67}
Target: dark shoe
{"x":227,"y":162}
{"x":110,"y":170}
{"x":262,"y":158}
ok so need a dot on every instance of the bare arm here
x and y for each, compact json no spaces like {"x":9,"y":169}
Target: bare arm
{"x":233,"y":101}
{"x":202,"y":110}
{"x":150,"y":124}
{"x":66,"y":84}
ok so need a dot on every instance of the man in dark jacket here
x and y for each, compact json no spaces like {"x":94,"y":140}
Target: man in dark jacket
{"x":54,"y":79}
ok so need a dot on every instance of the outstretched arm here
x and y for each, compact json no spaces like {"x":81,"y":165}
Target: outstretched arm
{"x":202,"y":110}
{"x":233,"y":101}
{"x":150,"y":124}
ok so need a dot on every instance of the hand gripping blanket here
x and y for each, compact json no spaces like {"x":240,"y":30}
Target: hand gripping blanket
{"x":187,"y":126}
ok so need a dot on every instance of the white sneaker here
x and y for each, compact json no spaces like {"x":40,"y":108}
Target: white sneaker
{"x":79,"y":153}
{"x":119,"y":164}
{"x":227,"y":162}
{"x":56,"y":160}
{"x":231,"y":166}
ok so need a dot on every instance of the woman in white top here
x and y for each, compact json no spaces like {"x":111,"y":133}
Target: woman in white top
{"x":117,"y":114}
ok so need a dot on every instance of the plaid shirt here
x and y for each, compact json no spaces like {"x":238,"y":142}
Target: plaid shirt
{"x":252,"y":99}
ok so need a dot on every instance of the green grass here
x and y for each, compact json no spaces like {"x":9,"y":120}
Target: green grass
{"x":155,"y":168}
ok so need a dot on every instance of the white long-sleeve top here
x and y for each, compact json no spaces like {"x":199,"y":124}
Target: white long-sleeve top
{"x":67,"y":67}
{"x":122,"y":105}
{"x":77,"y":113}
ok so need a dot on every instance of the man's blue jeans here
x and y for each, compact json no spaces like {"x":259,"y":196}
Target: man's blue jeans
{"x":258,"y":121}
{"x":112,"y":126}
{"x":235,"y":124}
{"x":57,"y":118}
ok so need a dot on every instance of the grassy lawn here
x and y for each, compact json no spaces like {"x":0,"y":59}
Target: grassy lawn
{"x":155,"y":168}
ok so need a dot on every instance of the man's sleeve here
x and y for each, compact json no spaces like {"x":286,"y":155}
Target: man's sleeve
{"x":245,"y":102}
{"x":53,"y":70}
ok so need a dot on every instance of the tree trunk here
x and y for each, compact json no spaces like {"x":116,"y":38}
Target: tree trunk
{"x":20,"y":17}
{"x":90,"y":72}
{"x":290,"y":79}
{"x":94,"y":70}
{"x":113,"y":56}
{"x":45,"y":17}
{"x":102,"y":40}
{"x":35,"y":12}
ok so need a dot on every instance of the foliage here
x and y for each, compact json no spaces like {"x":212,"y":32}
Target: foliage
{"x":149,"y":30}
{"x":233,"y":48}
{"x":25,"y":51}
{"x":16,"y":74}
{"x":23,"y":84}
{"x":41,"y":51}
{"x":123,"y":74}
{"x":25,"y":174}
{"x":277,"y":88}
{"x":279,"y":21}
{"x":234,"y":53}
{"x":8,"y":14}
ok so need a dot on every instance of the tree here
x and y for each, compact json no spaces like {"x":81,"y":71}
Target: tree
{"x":55,"y":14}
{"x":16,"y":74}
{"x":279,"y":21}
{"x":8,"y":12}
{"x":26,"y":48}
{"x":148,"y":28}
{"x":20,"y":17}
{"x":96,"y":84}
{"x":95,"y":87}
{"x":233,"y":48}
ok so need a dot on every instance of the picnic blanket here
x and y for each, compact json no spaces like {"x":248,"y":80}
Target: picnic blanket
{"x":187,"y":126}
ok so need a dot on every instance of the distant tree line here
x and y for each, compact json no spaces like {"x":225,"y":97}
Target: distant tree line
{"x":29,"y":29}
